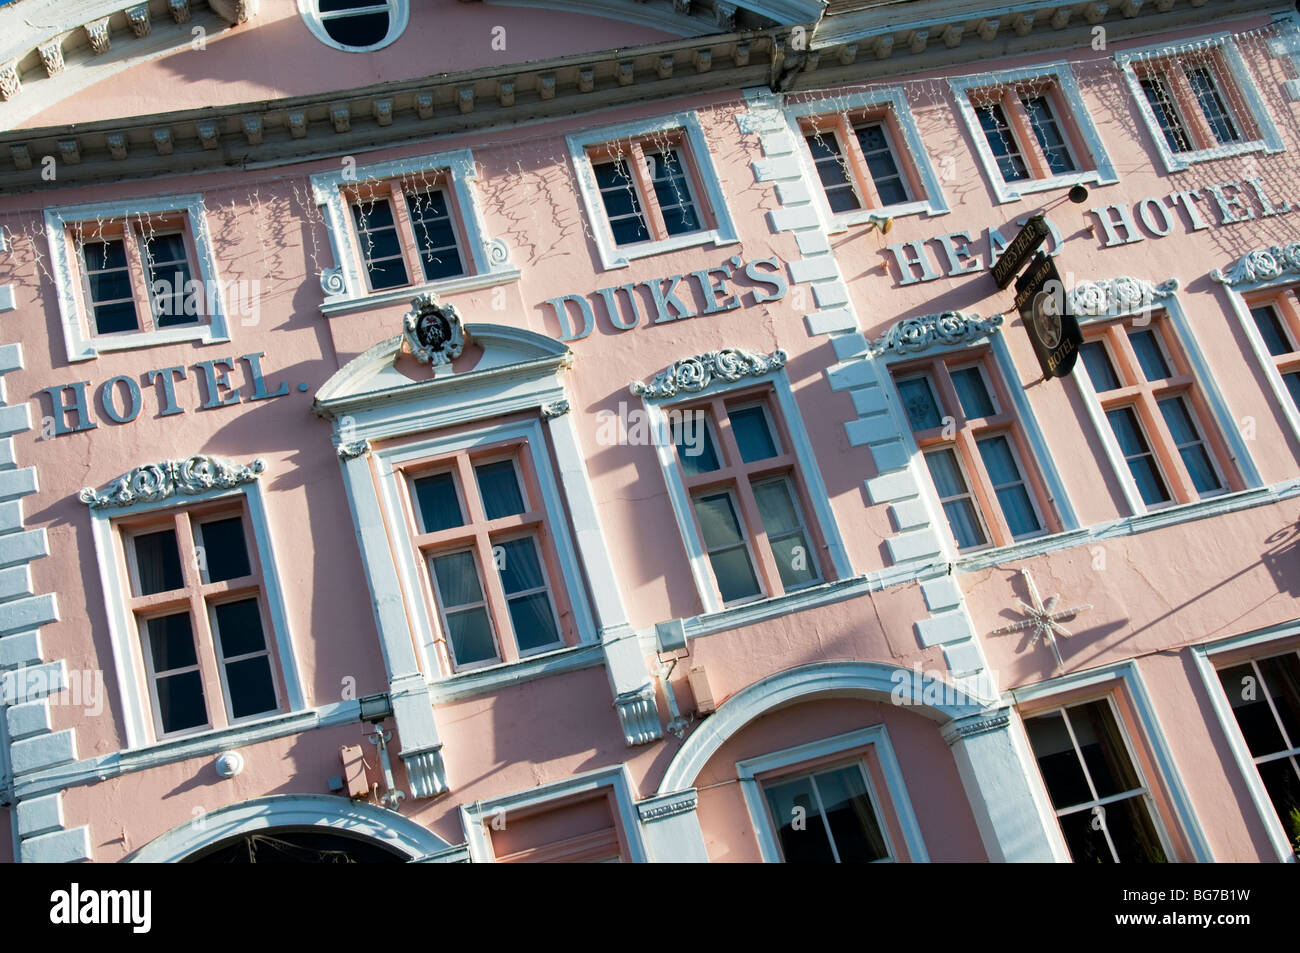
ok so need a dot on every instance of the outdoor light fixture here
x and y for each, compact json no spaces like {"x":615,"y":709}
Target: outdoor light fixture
{"x":1078,"y":194}
{"x":882,"y":224}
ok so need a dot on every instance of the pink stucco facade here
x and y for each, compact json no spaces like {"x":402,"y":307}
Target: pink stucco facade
{"x":584,"y":732}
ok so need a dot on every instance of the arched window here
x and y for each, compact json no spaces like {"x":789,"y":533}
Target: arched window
{"x":356,"y":26}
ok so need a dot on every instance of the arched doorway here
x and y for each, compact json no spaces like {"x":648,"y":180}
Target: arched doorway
{"x":279,"y":846}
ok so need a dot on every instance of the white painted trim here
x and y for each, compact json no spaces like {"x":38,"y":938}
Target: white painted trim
{"x":124,"y":634}
{"x":388,"y":461}
{"x":80,"y":344}
{"x":359,"y":818}
{"x":1270,"y":140}
{"x":1128,"y":674}
{"x":878,"y":737}
{"x":873,"y":680}
{"x":398,"y":15}
{"x":1203,"y":656}
{"x":1241,"y":310}
{"x":490,"y":259}
{"x":613,"y":256}
{"x":1080,"y":118}
{"x":935,"y":203}
{"x":617,"y":778}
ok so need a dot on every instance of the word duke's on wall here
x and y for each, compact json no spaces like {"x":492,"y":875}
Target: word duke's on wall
{"x":673,"y":298}
{"x":121,"y":399}
{"x":1211,"y":206}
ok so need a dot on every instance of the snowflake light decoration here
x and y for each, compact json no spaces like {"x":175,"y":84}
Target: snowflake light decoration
{"x":1042,"y":618}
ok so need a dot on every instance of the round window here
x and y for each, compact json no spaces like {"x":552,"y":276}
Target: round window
{"x":356,"y":26}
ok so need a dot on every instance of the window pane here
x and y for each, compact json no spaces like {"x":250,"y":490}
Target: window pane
{"x":1292,"y":382}
{"x":672,"y":189}
{"x":533,"y":621}
{"x":1062,"y":773}
{"x":919,"y":403}
{"x":622,"y":203}
{"x":1152,"y":361}
{"x":1282,"y":678}
{"x":1271,"y":330}
{"x":1002,"y":143}
{"x":725,"y":543}
{"x":798,"y":823}
{"x":950,"y":484}
{"x":470,"y":634}
{"x":1212,"y":106}
{"x":251,"y":687}
{"x":457,"y":577}
{"x":753,"y":436}
{"x":833,"y":172}
{"x":499,"y":487}
{"x":947,"y":475}
{"x":180,"y":702}
{"x":1250,"y":707}
{"x":380,"y":246}
{"x":239,"y":628}
{"x":1048,"y":133}
{"x":794,"y":560}
{"x":1156,"y":89}
{"x":885,"y":174}
{"x":778,"y":510}
{"x":853,"y":824}
{"x":1009,"y":486}
{"x":171,"y":642}
{"x":734,"y":573}
{"x":519,"y":566}
{"x":365,"y":29}
{"x":224,"y":551}
{"x":157,"y":563}
{"x":435,"y":497}
{"x":1141,"y":463}
{"x":115,"y":318}
{"x":694,"y":440}
{"x":110,"y":285}
{"x":1103,"y":748}
{"x":776,"y":507}
{"x":974,"y":396}
{"x":1132,"y":832}
{"x":718,"y":523}
{"x":104,"y":255}
{"x":1100,"y":370}
{"x":1191,"y":448}
{"x":1282,"y":781}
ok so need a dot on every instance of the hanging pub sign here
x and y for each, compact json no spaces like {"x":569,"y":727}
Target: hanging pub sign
{"x":1041,"y":301}
{"x":1026,"y":242}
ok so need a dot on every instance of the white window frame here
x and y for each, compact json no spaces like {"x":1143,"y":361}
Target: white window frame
{"x":399,"y":14}
{"x":699,"y":158}
{"x":617,"y":780}
{"x":1204,"y":380}
{"x":1262,"y":643}
{"x":911,"y":150}
{"x":65,"y":263}
{"x":876,"y":737}
{"x":1079,"y":117}
{"x":346,"y":287}
{"x":1270,"y":140}
{"x":809,"y":472}
{"x":124,"y":632}
{"x":1128,"y":677}
{"x":1284,"y":283}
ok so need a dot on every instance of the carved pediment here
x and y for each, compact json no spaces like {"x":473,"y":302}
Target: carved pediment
{"x":155,"y":482}
{"x":1262,"y":264}
{"x":1090,"y":299}
{"x":919,"y":334}
{"x":694,"y":374}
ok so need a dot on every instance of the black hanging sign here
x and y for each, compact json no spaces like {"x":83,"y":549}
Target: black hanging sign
{"x":1017,"y":252}
{"x":1043,"y":307}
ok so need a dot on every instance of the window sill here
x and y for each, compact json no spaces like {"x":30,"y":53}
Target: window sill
{"x":1014,"y":191}
{"x":345,"y":304}
{"x":843,"y":221}
{"x":129,"y":342}
{"x":620,"y":256}
{"x":492,"y":678}
{"x":1178,"y":161}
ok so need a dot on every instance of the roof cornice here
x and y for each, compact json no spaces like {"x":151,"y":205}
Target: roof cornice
{"x":359,"y":120}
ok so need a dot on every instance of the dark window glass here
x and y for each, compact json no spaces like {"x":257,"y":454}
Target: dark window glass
{"x":1137,"y":453}
{"x":1100,"y":370}
{"x":890,"y":183}
{"x":176,"y":677}
{"x":673,"y":192}
{"x":1002,"y":142}
{"x":1150,"y":358}
{"x":381,"y":248}
{"x":157,"y":562}
{"x":499,"y":487}
{"x":919,"y":403}
{"x":434,"y":234}
{"x":363,"y":29}
{"x":622,"y":203}
{"x":833,"y":172}
{"x":225,"y":553}
{"x":1048,"y":133}
{"x":753,"y":435}
{"x":438,"y":503}
{"x":974,"y":397}
{"x":1271,"y":330}
{"x":1156,"y":89}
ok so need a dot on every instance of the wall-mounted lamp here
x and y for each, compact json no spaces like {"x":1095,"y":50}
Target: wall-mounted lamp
{"x":882,"y":224}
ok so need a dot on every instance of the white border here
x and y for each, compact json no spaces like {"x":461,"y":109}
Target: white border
{"x":615,"y":256}
{"x":1203,"y":656}
{"x":1241,"y":310}
{"x":1269,"y":141}
{"x":124,"y":634}
{"x":490,"y":258}
{"x":83,"y":346}
{"x":875,"y":735}
{"x":935,"y":203}
{"x":1129,"y":676}
{"x":1103,"y":174}
{"x":617,"y":778}
{"x":398,"y":15}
